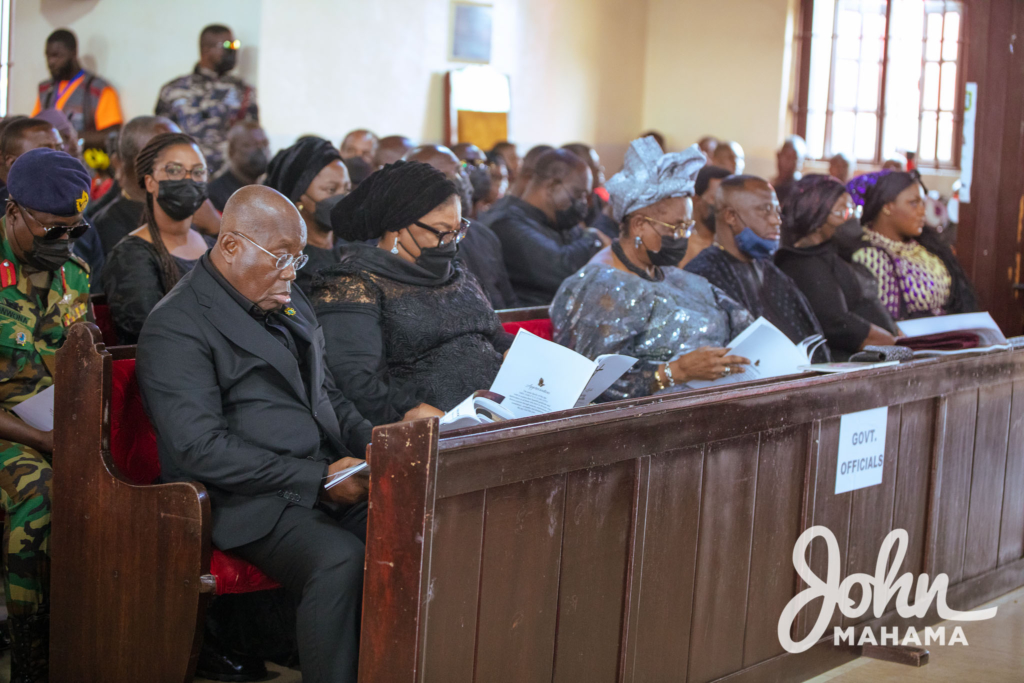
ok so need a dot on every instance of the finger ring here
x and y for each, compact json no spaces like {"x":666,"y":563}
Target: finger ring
{"x":726,"y":371}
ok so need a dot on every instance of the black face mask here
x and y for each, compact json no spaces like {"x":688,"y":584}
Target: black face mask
{"x":322,"y":211}
{"x":227,"y":62}
{"x":569,"y":218}
{"x":437,"y":260}
{"x":673,"y":249}
{"x":48,"y":255}
{"x":181,"y":198}
{"x":255,"y":163}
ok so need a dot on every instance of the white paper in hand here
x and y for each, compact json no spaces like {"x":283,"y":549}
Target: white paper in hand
{"x":37,"y":411}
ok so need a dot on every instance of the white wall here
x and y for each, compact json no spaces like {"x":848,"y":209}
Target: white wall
{"x":336,"y":65}
{"x":597,"y":71}
{"x":137,"y":45}
{"x":720,"y":68}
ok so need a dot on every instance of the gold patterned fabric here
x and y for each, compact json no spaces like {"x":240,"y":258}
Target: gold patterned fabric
{"x":911,"y":279}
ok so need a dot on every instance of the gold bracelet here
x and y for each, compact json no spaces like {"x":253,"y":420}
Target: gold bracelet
{"x":659,"y":383}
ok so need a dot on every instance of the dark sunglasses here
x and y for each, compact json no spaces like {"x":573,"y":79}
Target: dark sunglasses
{"x":55,"y":232}
{"x":445,"y":237}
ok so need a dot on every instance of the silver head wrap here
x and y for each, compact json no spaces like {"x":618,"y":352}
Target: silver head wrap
{"x":648,"y":175}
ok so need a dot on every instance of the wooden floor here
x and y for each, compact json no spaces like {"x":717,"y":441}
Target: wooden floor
{"x":995,"y":654}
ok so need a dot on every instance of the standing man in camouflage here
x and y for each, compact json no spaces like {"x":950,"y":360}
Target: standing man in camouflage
{"x":44,"y":290}
{"x":208,"y":102}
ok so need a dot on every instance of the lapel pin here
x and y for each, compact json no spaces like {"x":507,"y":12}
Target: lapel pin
{"x":289,"y":311}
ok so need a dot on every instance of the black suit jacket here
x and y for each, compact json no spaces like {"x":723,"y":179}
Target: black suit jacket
{"x":230,"y":409}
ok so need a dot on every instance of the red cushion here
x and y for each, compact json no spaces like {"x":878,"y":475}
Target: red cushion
{"x":133,"y":449}
{"x":235,"y":575}
{"x":540,"y":327}
{"x":132,"y":441}
{"x":105,"y":322}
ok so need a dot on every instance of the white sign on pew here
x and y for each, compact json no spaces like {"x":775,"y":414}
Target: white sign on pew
{"x":861,"y":449}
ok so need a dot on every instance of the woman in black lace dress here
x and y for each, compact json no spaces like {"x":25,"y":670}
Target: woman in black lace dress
{"x":409,"y":333}
{"x":146,"y":264}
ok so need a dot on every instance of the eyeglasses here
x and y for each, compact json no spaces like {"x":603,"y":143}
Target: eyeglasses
{"x":176,"y":171}
{"x":232,"y":44}
{"x":280,"y":262}
{"x":844,"y":213}
{"x":55,"y":232}
{"x":446,"y":237}
{"x":679,"y":229}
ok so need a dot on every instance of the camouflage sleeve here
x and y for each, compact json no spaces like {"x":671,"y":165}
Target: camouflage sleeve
{"x":163,"y":105}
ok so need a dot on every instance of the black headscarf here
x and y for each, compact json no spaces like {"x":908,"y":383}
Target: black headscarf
{"x":883,"y":192}
{"x":808,"y":206}
{"x":293,"y":168}
{"x":390,"y":199}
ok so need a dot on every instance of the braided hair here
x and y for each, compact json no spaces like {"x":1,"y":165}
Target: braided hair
{"x":145,"y":163}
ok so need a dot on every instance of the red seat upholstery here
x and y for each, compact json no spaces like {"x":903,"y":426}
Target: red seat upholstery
{"x":105,"y":321}
{"x":540,"y":327}
{"x":133,"y":449}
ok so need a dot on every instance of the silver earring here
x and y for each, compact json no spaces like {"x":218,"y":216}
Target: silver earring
{"x":394,"y":249}
{"x":637,"y":241}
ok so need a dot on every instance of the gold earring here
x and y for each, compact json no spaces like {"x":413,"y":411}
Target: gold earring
{"x":887,"y":212}
{"x":300,"y":207}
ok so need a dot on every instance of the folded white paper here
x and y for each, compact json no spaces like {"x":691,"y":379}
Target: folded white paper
{"x":37,"y":411}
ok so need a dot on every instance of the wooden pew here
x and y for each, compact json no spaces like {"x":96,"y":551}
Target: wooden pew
{"x":652,"y":540}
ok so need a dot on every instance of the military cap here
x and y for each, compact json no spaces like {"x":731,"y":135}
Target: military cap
{"x":49,"y":181}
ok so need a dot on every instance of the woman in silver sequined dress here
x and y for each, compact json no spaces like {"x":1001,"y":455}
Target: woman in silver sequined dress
{"x":631,"y":299}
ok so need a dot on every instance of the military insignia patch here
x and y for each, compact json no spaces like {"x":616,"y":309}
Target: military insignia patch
{"x":289,"y":311}
{"x":8,"y":275}
{"x":22,"y":339}
{"x":82,"y":202}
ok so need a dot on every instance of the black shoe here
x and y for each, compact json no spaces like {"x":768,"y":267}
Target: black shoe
{"x":219,"y":664}
{"x":30,"y":648}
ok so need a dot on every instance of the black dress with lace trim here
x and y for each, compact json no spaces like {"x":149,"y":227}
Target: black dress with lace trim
{"x":392,"y":345}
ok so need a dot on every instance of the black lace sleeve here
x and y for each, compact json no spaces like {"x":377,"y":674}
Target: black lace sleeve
{"x":131,"y":281}
{"x":349,"y":312}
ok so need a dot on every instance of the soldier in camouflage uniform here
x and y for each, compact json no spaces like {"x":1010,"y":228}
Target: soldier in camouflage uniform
{"x":44,"y":290}
{"x":208,"y":102}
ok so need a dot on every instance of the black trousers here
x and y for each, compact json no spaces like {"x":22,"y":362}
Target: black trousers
{"x":317,"y":555}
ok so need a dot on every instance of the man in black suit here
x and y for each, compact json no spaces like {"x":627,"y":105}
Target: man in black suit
{"x":232,"y":372}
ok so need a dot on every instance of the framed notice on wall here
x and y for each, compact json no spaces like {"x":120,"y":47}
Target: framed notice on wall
{"x":471,"y":31}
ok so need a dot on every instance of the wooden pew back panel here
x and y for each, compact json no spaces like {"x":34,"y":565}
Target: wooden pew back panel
{"x":655,"y":542}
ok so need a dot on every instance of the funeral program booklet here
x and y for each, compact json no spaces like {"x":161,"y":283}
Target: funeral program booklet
{"x":482,"y":407}
{"x":540,"y":376}
{"x":37,"y":411}
{"x":770,"y":352}
{"x":980,"y":324}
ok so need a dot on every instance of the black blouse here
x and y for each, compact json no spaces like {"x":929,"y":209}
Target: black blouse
{"x":133,"y":283}
{"x":845,"y":308}
{"x":394,"y":341}
{"x":319,"y":259}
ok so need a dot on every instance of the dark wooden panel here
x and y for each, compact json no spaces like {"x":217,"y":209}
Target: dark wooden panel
{"x":591,"y":591}
{"x":781,"y":462}
{"x":398,"y":537}
{"x":913,"y":475}
{"x":519,"y":581}
{"x":597,"y":436}
{"x":451,"y":601}
{"x":981,"y":551}
{"x":666,"y":575}
{"x":828,"y":510}
{"x":1011,"y":530}
{"x":871,"y":513}
{"x":723,"y":558}
{"x":953,"y":485}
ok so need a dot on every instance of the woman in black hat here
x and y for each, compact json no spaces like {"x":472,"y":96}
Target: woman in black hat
{"x":409,"y":333}
{"x":310,"y":173}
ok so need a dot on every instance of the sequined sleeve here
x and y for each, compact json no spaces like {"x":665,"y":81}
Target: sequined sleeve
{"x":739,"y":317}
{"x":881,"y":266}
{"x":593,"y":316}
